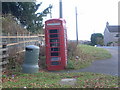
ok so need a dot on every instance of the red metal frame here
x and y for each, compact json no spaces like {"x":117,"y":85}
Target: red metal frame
{"x":56,"y":44}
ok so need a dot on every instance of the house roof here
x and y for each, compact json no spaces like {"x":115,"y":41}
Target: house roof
{"x":113,"y":28}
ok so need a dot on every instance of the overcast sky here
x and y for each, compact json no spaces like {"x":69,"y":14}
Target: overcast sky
{"x":92,"y":15}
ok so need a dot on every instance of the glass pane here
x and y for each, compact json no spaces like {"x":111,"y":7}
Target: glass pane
{"x":55,"y":54}
{"x":55,"y":49}
{"x":54,"y":40}
{"x":53,"y":31}
{"x":55,"y":63}
{"x":54,"y":44}
{"x":54,"y":35}
{"x":55,"y":58}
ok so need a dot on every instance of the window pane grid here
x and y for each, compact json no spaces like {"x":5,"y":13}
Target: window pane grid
{"x":54,"y":31}
{"x":53,"y":36}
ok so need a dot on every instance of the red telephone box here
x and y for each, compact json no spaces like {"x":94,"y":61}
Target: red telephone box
{"x":56,"y":44}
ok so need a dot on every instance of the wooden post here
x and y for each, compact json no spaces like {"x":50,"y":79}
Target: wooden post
{"x":24,"y":41}
{"x":29,"y":38}
{"x":76,"y":26}
{"x":17,"y":38}
{"x":18,"y":42}
{"x":8,"y":41}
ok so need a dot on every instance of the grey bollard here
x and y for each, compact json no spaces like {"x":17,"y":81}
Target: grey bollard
{"x":30,"y":64}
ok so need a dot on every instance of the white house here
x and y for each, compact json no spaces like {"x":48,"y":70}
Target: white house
{"x":111,"y":34}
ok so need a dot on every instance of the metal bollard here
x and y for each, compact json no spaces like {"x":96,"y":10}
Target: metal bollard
{"x":30,"y":64}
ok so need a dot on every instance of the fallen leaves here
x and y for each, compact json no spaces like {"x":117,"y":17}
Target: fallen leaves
{"x":50,"y":80}
{"x":8,"y":79}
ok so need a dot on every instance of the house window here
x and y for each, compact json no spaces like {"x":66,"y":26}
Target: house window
{"x":117,"y":35}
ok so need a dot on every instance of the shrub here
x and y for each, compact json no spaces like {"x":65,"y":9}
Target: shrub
{"x":109,"y":43}
{"x":73,"y":51}
{"x":72,"y":48}
{"x":70,"y":64}
{"x":86,"y":53}
{"x":15,"y":60}
{"x":42,"y":62}
{"x":10,"y":25}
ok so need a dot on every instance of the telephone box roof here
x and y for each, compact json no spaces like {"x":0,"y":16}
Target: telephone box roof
{"x":59,"y":19}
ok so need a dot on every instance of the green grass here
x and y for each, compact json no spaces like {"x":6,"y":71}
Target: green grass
{"x":51,"y":80}
{"x":44,"y":79}
{"x":87,"y":55}
{"x":95,"y":52}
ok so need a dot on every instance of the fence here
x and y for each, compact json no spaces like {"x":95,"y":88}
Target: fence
{"x":3,"y":56}
{"x":12,"y":45}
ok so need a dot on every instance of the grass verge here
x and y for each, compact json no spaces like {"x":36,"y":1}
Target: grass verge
{"x":87,"y":54}
{"x":51,"y":80}
{"x":95,"y":52}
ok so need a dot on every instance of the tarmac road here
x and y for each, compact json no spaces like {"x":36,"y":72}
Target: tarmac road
{"x":108,"y":66}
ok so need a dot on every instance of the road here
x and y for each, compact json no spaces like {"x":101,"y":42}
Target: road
{"x":108,"y":66}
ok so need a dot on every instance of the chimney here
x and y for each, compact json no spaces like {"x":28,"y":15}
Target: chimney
{"x":107,"y":24}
